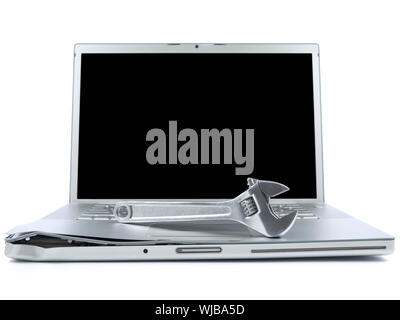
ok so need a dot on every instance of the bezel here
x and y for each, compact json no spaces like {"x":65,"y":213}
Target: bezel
{"x":195,"y":48}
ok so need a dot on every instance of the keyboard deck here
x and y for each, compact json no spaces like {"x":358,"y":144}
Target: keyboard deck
{"x":104,"y":212}
{"x":304,"y":212}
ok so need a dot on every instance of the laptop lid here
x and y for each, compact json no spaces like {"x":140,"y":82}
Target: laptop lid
{"x":193,"y":121}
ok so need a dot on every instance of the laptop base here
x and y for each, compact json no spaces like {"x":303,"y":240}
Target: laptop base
{"x":200,"y":252}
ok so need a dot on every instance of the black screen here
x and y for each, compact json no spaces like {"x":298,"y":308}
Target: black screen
{"x":182,"y":125}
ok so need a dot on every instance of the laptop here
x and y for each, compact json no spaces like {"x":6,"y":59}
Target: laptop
{"x":141,"y":115}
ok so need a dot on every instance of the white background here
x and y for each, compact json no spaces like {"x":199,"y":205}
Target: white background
{"x":360,"y":69}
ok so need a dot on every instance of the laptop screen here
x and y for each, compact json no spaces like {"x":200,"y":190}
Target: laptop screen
{"x":192,"y":126}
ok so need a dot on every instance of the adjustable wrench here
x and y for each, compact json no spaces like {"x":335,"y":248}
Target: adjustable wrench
{"x":251,"y":208}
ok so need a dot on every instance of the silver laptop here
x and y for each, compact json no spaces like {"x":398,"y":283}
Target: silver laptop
{"x":139,"y":116}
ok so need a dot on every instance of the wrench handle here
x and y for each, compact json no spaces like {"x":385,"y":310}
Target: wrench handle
{"x":142,"y":212}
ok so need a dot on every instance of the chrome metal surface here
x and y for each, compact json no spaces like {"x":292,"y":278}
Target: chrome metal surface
{"x":98,"y":211}
{"x":251,"y":208}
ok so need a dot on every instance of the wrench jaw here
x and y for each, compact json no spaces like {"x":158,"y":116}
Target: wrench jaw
{"x":271,"y":188}
{"x":271,"y":227}
{"x":266,"y":221}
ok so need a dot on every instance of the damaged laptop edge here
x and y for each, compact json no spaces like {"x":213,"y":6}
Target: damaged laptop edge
{"x":165,"y":138}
